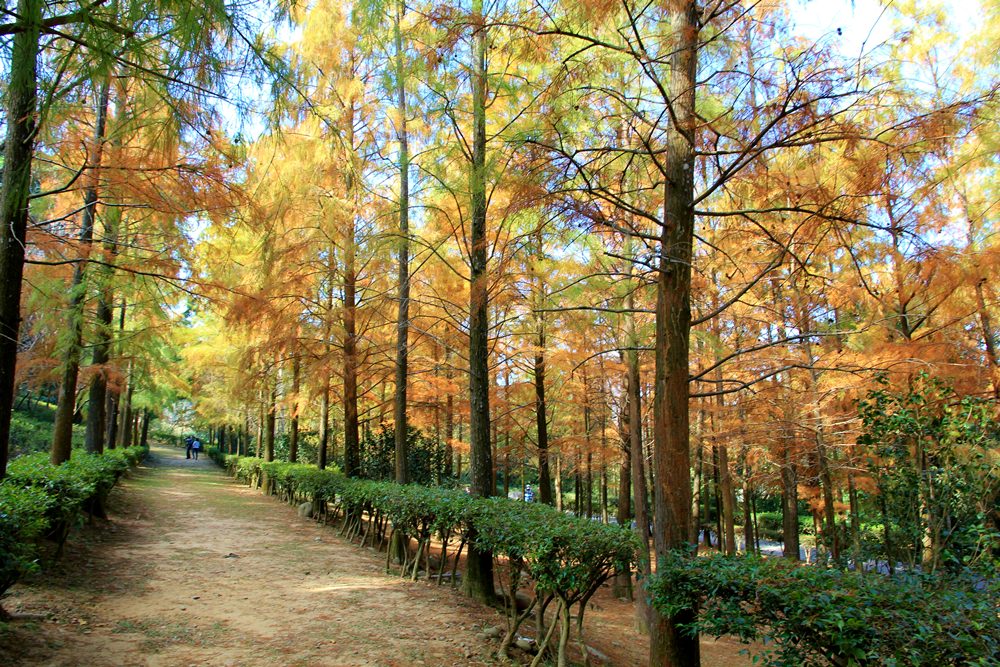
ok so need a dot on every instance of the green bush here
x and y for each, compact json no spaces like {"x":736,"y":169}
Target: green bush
{"x":813,"y":616}
{"x":22,"y":522}
{"x":425,"y":458}
{"x":563,"y":554}
{"x":40,"y":499}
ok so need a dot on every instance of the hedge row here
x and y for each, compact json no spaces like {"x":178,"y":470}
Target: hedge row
{"x":557,"y":556}
{"x":812,"y":616}
{"x":40,"y":500}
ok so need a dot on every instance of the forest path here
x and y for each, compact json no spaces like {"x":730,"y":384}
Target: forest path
{"x":193,"y":569}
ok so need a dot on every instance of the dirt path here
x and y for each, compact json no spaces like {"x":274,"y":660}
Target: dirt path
{"x":194,"y":569}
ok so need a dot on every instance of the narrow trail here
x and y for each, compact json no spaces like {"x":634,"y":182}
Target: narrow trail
{"x":193,"y":569}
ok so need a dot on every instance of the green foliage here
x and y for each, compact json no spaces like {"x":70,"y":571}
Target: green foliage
{"x":75,"y":485}
{"x":563,"y":554}
{"x":22,"y":522}
{"x":567,"y":555}
{"x":426,"y":458}
{"x":772,"y":527}
{"x":935,"y":458}
{"x":39,"y":499}
{"x":816,"y":616}
{"x":31,"y":431}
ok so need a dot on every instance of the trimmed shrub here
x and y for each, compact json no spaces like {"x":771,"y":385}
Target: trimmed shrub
{"x":565,"y":557}
{"x":22,"y":523}
{"x":813,"y":616}
{"x":38,"y":499}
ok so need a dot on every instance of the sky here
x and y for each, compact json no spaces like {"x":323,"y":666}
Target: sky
{"x":864,"y":24}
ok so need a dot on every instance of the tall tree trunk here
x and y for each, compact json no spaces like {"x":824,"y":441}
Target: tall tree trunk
{"x":804,"y":322}
{"x":449,"y":418}
{"x":623,"y":580}
{"x":696,"y":482}
{"x":479,"y":572}
{"x":114,"y":392}
{"x":748,"y":531}
{"x":588,"y":504}
{"x":22,"y":95}
{"x":352,"y":442}
{"x":324,"y":426}
{"x":125,"y":411}
{"x":293,"y":435}
{"x":728,"y":500}
{"x":789,"y":504}
{"x":269,"y":422}
{"x":640,"y":493}
{"x":557,"y":481}
{"x":62,"y":431}
{"x":324,"y":408}
{"x":144,"y":438}
{"x":111,"y":409}
{"x":670,"y":644}
{"x":403,"y":315}
{"x":541,"y":413}
{"x":98,"y":414}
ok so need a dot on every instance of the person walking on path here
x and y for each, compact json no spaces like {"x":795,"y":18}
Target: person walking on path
{"x":189,"y":441}
{"x":196,"y":447}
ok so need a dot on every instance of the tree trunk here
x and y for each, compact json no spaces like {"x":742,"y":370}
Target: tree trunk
{"x":324,"y":426}
{"x":557,"y":463}
{"x":479,"y":572}
{"x":728,"y":500}
{"x":403,"y":315}
{"x":293,"y":428}
{"x":623,"y":580}
{"x":352,"y":443}
{"x":125,"y":412}
{"x":62,"y":431}
{"x":269,"y":422}
{"x":640,"y":492}
{"x":449,"y":418}
{"x":789,"y":505}
{"x":696,"y":482}
{"x":22,"y":94}
{"x":669,"y":643}
{"x":144,"y":438}
{"x":98,"y":414}
{"x":748,"y":531}
{"x":541,"y":412}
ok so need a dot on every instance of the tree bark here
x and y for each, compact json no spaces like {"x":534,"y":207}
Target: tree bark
{"x":324,"y":426}
{"x":98,"y":415}
{"x":144,"y":438}
{"x":640,"y":493}
{"x":403,"y":315}
{"x":352,"y":441}
{"x":269,"y":422}
{"x":62,"y":431}
{"x":125,"y":411}
{"x":479,"y":572}
{"x":541,"y":412}
{"x":22,"y":95}
{"x":449,"y":418}
{"x":669,"y":644}
{"x":789,"y":505}
{"x":293,"y":435}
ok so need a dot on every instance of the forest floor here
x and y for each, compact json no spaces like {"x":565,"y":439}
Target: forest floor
{"x":192,"y":568}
